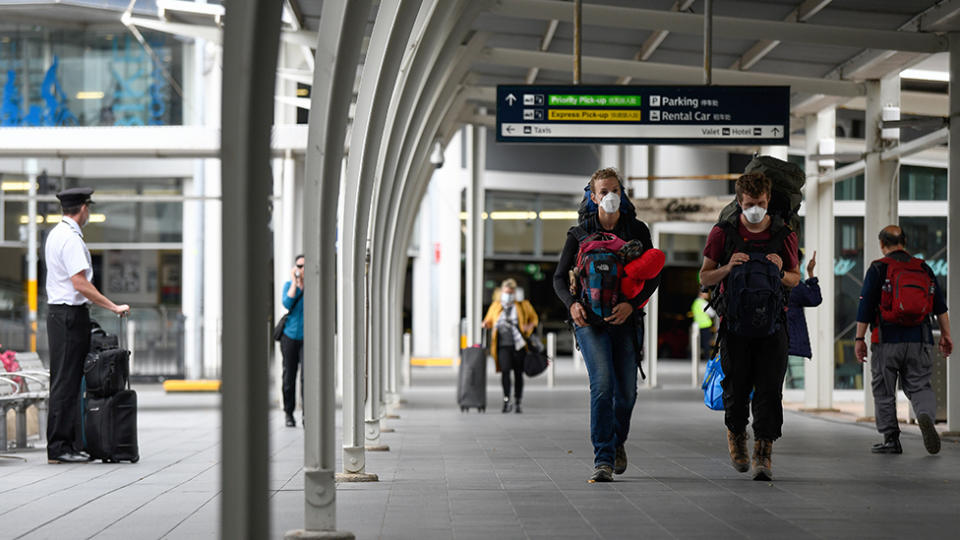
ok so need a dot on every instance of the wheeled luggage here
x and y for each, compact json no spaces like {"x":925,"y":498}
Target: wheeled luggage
{"x":109,"y":421}
{"x":472,"y":381}
{"x":110,"y":427}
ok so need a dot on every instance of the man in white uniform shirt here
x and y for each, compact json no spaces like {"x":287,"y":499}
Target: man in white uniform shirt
{"x":69,"y":293}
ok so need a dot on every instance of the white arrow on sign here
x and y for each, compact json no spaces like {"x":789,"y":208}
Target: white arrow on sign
{"x":511,"y":99}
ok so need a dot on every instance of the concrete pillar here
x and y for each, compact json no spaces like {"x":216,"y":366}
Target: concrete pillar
{"x":475,"y":238}
{"x":250,"y":49}
{"x":881,"y":188}
{"x":32,"y":253}
{"x":337,"y":54}
{"x":953,"y":234}
{"x":819,"y":232}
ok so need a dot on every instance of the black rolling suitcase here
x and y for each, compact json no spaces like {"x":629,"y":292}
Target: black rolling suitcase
{"x":110,"y":406}
{"x":110,"y":427}
{"x":472,"y":382}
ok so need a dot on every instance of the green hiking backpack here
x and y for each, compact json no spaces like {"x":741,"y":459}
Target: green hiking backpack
{"x":787,"y":194}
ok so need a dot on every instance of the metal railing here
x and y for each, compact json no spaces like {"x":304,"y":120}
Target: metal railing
{"x":155,"y":338}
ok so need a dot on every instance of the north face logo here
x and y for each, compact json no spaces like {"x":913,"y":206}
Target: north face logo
{"x":603,"y":267}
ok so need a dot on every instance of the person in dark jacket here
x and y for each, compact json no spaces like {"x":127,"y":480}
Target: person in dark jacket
{"x":900,"y":352}
{"x":805,"y":294}
{"x":611,"y":347}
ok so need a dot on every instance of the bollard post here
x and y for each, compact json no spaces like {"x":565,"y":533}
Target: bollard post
{"x":695,"y":354}
{"x":406,"y":360}
{"x":552,"y":355}
{"x":578,"y":364}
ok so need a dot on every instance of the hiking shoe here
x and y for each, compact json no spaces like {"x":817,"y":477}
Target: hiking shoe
{"x":620,"y":462}
{"x":737,"y":445}
{"x":931,"y":439}
{"x":762,"y":462}
{"x":602,"y":473}
{"x":890,"y":445}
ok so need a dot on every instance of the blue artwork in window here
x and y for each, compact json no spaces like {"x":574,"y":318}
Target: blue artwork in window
{"x":10,"y":105}
{"x":55,"y":111}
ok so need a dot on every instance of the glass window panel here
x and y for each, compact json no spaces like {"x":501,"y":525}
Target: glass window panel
{"x":848,"y":279}
{"x":512,"y":217}
{"x":923,"y":183}
{"x":927,"y":239}
{"x":90,"y":77}
{"x":849,"y":189}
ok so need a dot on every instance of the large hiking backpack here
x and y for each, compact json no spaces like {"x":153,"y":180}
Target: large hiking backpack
{"x":754,"y":298}
{"x":599,"y":271}
{"x":787,"y":192}
{"x":906,"y":297}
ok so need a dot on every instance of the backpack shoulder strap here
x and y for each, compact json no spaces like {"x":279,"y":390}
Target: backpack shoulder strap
{"x":578,"y":232}
{"x":732,"y":240}
{"x":779,"y":231}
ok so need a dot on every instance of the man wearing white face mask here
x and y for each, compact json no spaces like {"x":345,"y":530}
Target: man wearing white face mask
{"x":512,"y":319}
{"x":753,"y":257}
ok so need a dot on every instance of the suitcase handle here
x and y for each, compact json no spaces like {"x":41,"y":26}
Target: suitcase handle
{"x":122,"y":338}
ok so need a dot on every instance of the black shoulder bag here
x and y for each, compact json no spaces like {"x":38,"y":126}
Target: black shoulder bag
{"x":278,"y":330}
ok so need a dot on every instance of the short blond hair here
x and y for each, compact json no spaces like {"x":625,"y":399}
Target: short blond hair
{"x":603,"y":174}
{"x":509,"y":283}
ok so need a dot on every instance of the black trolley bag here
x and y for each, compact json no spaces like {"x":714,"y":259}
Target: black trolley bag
{"x":110,"y":412}
{"x":472,"y":379}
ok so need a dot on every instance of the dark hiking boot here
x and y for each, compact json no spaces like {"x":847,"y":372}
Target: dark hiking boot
{"x":507,"y":406}
{"x":890,"y":445}
{"x":602,"y":473}
{"x":620,"y":462}
{"x":762,"y":462}
{"x":931,"y":439}
{"x":737,"y":445}
{"x":516,"y":407}
{"x":290,"y":421}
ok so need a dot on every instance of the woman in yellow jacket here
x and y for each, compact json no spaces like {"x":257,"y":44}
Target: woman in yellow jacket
{"x":512,"y":321}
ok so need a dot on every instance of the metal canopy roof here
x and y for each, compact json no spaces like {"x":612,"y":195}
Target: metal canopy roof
{"x":532,"y":40}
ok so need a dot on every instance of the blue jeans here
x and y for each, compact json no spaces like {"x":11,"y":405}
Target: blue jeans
{"x":611,"y":361}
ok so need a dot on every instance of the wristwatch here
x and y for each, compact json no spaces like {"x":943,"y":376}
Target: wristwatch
{"x":859,"y":339}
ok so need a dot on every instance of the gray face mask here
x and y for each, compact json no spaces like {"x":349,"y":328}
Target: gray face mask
{"x":755,"y":214}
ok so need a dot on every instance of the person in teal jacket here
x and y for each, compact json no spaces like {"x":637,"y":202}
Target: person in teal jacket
{"x":291,"y":342}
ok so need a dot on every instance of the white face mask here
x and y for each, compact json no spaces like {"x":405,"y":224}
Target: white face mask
{"x":610,"y":203}
{"x":506,"y":298}
{"x":755,"y":214}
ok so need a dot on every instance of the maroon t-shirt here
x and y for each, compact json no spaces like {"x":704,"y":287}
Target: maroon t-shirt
{"x":718,"y":238}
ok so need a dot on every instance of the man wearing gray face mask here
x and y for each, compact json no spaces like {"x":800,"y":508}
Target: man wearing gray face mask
{"x":754,"y":260}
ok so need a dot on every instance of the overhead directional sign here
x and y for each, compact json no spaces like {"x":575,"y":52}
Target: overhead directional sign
{"x":644,"y":114}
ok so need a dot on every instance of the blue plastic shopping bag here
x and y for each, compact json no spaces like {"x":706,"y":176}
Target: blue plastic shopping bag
{"x":712,"y":391}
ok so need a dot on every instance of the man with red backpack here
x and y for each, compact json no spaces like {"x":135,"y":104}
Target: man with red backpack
{"x":900,"y":293}
{"x":752,"y":256}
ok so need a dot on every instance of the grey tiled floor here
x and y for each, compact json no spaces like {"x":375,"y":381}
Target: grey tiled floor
{"x":464,"y":476}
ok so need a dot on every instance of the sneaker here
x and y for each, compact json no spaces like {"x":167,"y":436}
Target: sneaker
{"x":931,"y":439}
{"x":737,"y":445}
{"x":290,"y":421}
{"x":890,"y":445}
{"x":762,"y":462}
{"x":602,"y":473}
{"x":620,"y":462}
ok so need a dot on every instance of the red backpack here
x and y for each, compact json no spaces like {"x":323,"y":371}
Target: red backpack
{"x":907,"y":293}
